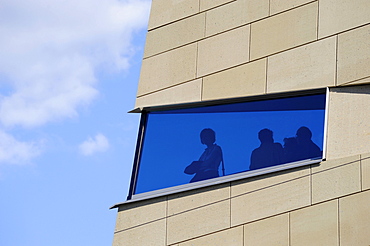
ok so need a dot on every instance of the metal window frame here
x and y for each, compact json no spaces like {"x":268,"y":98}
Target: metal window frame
{"x":232,"y":177}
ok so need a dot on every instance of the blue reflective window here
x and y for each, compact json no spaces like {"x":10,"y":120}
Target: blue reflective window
{"x":193,"y":144}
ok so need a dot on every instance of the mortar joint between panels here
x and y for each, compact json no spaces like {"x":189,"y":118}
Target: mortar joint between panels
{"x":189,"y":16}
{"x":354,"y":81}
{"x":318,"y":37}
{"x":287,"y":10}
{"x":344,"y":31}
{"x":335,"y":167}
{"x":271,"y":186}
{"x":165,"y":88}
{"x":198,"y":207}
{"x":205,"y":37}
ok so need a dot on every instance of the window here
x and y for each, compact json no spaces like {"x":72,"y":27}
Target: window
{"x":198,"y":145}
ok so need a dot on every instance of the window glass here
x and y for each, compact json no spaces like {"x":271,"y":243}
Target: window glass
{"x":189,"y":145}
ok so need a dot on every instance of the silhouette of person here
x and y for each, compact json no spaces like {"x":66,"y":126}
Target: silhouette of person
{"x":306,"y":147}
{"x":207,"y":165}
{"x":291,"y":149}
{"x":269,"y":153}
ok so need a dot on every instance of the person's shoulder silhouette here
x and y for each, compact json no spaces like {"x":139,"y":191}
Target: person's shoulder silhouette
{"x":291,"y":149}
{"x":268,"y":153}
{"x":208,"y":164}
{"x":306,"y":147}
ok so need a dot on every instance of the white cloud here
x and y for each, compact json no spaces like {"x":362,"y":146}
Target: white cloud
{"x":51,"y":51}
{"x":13,"y":151}
{"x":92,"y":145}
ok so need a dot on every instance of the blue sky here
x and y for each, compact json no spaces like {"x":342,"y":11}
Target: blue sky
{"x":68,"y":76}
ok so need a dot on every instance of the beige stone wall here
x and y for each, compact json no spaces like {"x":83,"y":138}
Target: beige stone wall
{"x":210,"y":49}
{"x":326,"y":204}
{"x":206,"y":49}
{"x":230,"y":48}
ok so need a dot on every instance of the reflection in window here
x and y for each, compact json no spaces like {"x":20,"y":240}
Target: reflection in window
{"x":189,"y":145}
{"x":207,"y":166}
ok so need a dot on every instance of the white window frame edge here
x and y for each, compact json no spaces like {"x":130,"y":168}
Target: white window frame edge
{"x":219,"y":180}
{"x":238,"y":176}
{"x":326,"y":123}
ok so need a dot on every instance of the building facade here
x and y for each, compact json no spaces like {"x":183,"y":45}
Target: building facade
{"x":206,"y":50}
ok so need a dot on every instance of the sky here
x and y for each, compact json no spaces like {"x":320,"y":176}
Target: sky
{"x":68,"y":76}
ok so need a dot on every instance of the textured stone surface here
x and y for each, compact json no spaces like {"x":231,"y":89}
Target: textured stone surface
{"x":354,"y":212}
{"x":188,"y":200}
{"x":306,"y":67}
{"x":138,"y":213}
{"x":336,"y":182}
{"x":334,"y":163}
{"x":354,"y":55}
{"x":284,"y":31}
{"x":360,"y":81}
{"x":148,"y":234}
{"x":270,"y":201}
{"x":207,"y":4}
{"x":315,"y":225}
{"x":168,"y":69}
{"x":230,"y":237}
{"x":187,"y":92}
{"x":198,"y":222}
{"x":250,"y":185}
{"x":348,"y":122}
{"x":277,"y":6}
{"x":270,"y":231}
{"x":165,"y":11}
{"x":340,"y":15}
{"x":365,"y":165}
{"x":222,"y":51}
{"x":174,"y":35}
{"x":244,"y":80}
{"x":235,"y":14}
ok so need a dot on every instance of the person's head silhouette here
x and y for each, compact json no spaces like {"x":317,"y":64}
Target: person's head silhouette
{"x":304,"y":134}
{"x":265,"y":136}
{"x":207,"y":136}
